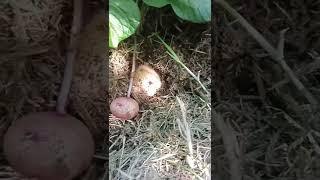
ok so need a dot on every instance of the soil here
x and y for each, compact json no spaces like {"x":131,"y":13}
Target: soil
{"x":155,"y":123}
{"x":33,"y":62}
{"x":32,"y":66}
{"x":275,"y":125}
{"x":276,"y":130}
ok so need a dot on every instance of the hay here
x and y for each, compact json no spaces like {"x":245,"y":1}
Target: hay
{"x":30,"y":69}
{"x":89,"y":88}
{"x":274,"y":127}
{"x":32,"y":66}
{"x":36,"y":21}
{"x":151,"y":146}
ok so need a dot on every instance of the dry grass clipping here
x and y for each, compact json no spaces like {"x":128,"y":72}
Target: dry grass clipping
{"x":170,"y":138}
{"x":275,"y":125}
{"x":32,"y":65}
{"x":154,"y":147}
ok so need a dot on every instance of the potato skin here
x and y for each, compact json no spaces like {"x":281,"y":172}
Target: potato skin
{"x":49,"y":146}
{"x":124,"y":108}
{"x":146,"y":81}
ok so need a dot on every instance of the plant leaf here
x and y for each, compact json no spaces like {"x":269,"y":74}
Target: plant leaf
{"x":124,"y":19}
{"x":157,"y":4}
{"x":197,"y":11}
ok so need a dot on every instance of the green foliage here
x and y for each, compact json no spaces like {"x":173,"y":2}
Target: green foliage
{"x":124,"y":15}
{"x":124,"y":19}
{"x":197,"y":11}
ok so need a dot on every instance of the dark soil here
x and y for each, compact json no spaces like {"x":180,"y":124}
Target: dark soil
{"x":277,"y":130}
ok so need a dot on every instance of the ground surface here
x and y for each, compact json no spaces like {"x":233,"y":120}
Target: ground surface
{"x":273,"y":132}
{"x":270,"y":127}
{"x":151,"y":145}
{"x":33,"y":42}
{"x":33,"y":38}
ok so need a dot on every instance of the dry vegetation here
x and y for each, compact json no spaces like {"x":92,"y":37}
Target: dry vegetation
{"x":268,"y":129}
{"x":170,"y":138}
{"x":33,"y":38}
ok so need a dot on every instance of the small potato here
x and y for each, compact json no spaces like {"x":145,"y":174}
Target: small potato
{"x":146,"y":81}
{"x":124,"y":108}
{"x":48,"y":146}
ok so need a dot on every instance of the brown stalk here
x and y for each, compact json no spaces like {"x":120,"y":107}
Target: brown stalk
{"x":276,"y":53}
{"x":133,"y":67}
{"x":231,"y":146}
{"x":71,"y":55}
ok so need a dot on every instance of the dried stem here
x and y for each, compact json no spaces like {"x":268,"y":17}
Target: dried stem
{"x":276,"y":54}
{"x":231,"y":146}
{"x":133,"y":67}
{"x":71,"y":54}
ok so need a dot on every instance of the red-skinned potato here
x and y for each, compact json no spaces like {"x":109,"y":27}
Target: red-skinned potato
{"x":49,"y":146}
{"x":124,"y":108}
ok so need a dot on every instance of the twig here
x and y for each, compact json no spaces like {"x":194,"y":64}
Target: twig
{"x":100,"y":157}
{"x":185,"y":131}
{"x":133,"y":67}
{"x":276,"y":54}
{"x":231,"y":146}
{"x":71,"y":54}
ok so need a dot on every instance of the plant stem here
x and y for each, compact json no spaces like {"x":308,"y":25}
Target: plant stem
{"x":231,"y":145}
{"x":133,"y":67}
{"x":175,"y":57}
{"x":71,"y":54}
{"x":276,"y":54}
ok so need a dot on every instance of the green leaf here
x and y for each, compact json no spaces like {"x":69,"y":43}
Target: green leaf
{"x":124,"y":19}
{"x":157,"y":4}
{"x":197,"y":11}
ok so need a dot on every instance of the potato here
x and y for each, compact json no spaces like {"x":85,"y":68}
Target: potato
{"x":49,"y":146}
{"x":124,"y":108}
{"x":146,"y":81}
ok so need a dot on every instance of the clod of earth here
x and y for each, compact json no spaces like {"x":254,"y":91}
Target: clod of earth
{"x":146,"y":81}
{"x":124,"y":108}
{"x":49,"y":145}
